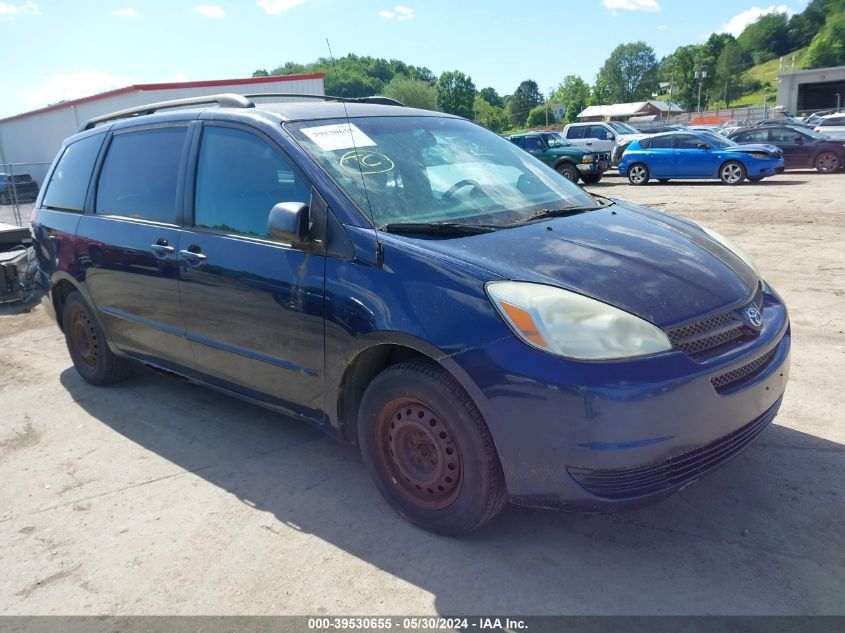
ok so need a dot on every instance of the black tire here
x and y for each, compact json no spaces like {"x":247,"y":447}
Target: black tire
{"x":87,"y":345}
{"x":755,"y":179}
{"x":638,"y":174}
{"x":732,"y":173}
{"x":569,"y":171}
{"x":428,"y":449}
{"x":662,"y":180}
{"x":827,"y":162}
{"x":591,"y":179}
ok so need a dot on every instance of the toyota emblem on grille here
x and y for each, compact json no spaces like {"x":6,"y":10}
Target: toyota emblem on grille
{"x":754,"y":317}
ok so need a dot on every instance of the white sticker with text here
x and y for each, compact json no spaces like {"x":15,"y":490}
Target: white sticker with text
{"x":339,"y":136}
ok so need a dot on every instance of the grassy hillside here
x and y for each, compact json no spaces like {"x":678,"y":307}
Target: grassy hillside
{"x":766,"y":75}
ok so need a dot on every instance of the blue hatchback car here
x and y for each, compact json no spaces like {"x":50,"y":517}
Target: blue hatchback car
{"x":412,"y":283}
{"x":693,"y":154}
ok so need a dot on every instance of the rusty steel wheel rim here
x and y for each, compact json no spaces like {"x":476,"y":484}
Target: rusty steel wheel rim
{"x":420,"y":453}
{"x":84,"y":338}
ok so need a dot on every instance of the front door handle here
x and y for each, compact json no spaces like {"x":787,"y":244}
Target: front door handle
{"x":162,"y":250}
{"x":192,"y":257}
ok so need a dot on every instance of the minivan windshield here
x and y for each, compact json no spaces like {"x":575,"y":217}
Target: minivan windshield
{"x":427,"y":169}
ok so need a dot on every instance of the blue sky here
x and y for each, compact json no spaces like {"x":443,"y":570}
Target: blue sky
{"x":60,"y":49}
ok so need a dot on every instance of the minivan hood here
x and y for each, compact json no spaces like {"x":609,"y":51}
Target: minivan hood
{"x":662,"y":269}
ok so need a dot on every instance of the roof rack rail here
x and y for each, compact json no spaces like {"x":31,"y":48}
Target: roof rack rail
{"x":222,"y":100}
{"x":374,"y":99}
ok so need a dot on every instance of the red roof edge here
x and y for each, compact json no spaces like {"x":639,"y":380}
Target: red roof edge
{"x":165,"y":86}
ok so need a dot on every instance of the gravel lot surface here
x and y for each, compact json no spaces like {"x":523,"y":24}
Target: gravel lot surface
{"x":155,"y":496}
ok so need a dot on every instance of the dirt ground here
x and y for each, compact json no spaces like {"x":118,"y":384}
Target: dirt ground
{"x":155,"y":496}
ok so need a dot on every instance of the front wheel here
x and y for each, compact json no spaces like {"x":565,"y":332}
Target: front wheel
{"x":732,"y":172}
{"x":638,"y":174}
{"x":827,"y":163}
{"x":569,"y":171}
{"x":591,"y":179}
{"x":428,"y":449}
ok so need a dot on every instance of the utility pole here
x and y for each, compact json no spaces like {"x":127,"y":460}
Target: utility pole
{"x":701,"y":75}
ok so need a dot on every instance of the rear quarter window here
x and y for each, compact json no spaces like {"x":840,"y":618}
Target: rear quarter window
{"x":576,"y":131}
{"x":69,"y":181}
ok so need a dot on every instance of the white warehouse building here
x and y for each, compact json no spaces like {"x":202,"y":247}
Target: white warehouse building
{"x":30,"y":141}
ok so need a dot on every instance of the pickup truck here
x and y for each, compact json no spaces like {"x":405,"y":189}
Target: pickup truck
{"x":572,"y":162}
{"x":603,"y":136}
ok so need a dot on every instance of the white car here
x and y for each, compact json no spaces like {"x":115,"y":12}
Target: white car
{"x":833,"y":125}
{"x":602,"y":136}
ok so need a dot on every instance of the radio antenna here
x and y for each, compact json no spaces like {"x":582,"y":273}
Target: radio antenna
{"x":379,"y":245}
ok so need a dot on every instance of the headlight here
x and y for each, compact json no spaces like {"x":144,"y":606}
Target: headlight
{"x":588,"y":158}
{"x":572,"y":325}
{"x":733,"y":247}
{"x":760,"y":155}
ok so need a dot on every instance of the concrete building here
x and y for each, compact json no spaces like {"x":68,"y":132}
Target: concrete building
{"x":812,"y":90}
{"x":624,"y":111}
{"x":31,"y":140}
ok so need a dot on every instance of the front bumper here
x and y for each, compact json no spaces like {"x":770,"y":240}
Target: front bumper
{"x":597,"y":436}
{"x":597,"y":167}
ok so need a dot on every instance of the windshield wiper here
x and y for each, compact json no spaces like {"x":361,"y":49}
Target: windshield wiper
{"x":439,"y":228}
{"x":541,"y":214}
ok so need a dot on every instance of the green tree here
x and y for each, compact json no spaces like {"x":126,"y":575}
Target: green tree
{"x":766,"y":38}
{"x":492,"y":97}
{"x":828,"y":47}
{"x":574,"y":94}
{"x":727,"y":83}
{"x":540,"y":116}
{"x":456,"y":93}
{"x":414,"y":93}
{"x":629,"y":74}
{"x":525,"y":97}
{"x":490,"y":116}
{"x":680,"y":68}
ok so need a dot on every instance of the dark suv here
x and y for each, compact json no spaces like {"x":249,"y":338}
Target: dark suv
{"x":410,"y":282}
{"x":17,"y":188}
{"x":572,"y":162}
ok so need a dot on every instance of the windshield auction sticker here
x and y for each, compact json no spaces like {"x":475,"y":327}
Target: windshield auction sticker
{"x":340,"y":136}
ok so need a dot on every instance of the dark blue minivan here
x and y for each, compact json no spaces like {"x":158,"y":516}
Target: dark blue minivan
{"x":412,"y":283}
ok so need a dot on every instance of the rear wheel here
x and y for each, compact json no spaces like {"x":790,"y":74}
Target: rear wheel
{"x":591,"y":179}
{"x":732,"y":172}
{"x":638,"y":174}
{"x":827,"y":162}
{"x":428,"y":449}
{"x":569,"y":171}
{"x":86,"y":342}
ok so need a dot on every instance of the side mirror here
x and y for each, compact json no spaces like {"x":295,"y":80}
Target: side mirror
{"x":288,"y":222}
{"x":610,"y":137}
{"x":703,"y":146}
{"x":799,"y":140}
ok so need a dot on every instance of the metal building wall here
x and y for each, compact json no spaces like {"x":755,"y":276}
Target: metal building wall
{"x":32,"y":139}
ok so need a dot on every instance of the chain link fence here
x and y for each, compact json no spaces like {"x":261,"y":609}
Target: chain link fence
{"x":19,"y":187}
